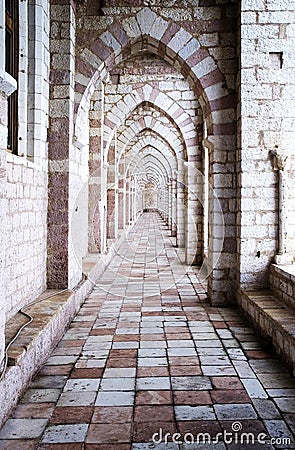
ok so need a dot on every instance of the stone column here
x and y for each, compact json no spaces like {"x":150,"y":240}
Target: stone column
{"x":7,"y":87}
{"x":191,"y":222}
{"x":126,"y":202}
{"x":174,"y":209}
{"x":283,"y":256}
{"x":180,"y":208}
{"x":60,"y":184}
{"x":170,"y":205}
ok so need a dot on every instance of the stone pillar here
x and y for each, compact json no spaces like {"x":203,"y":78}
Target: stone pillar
{"x":191,"y":222}
{"x":126,"y":202}
{"x":174,"y":209}
{"x":283,"y":256}
{"x":170,"y":205}
{"x":180,"y":209}
{"x":7,"y":87}
{"x":60,"y":141}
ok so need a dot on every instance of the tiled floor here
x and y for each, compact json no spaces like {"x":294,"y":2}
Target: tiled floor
{"x":147,"y":356}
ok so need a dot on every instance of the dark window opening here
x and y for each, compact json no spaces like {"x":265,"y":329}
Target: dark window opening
{"x":11,"y":67}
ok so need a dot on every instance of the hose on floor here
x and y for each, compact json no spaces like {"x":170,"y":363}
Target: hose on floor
{"x":30,"y":320}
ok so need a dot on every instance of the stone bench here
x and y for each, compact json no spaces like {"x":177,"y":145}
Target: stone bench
{"x":49,"y":316}
{"x":51,"y":313}
{"x":274,"y":320}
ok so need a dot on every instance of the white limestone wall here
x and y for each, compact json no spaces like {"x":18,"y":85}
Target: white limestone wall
{"x":25,"y":261}
{"x":267,"y":125}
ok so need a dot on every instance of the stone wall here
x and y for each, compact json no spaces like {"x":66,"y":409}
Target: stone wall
{"x":266,"y":126}
{"x":25,"y":262}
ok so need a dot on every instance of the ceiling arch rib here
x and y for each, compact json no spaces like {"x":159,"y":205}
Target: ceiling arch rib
{"x":157,"y":144}
{"x":180,"y":49}
{"x":147,"y":155}
{"x":158,"y":101}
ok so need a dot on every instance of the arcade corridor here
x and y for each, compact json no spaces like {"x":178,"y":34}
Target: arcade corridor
{"x":147,"y":352}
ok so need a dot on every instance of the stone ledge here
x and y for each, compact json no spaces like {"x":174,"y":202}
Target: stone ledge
{"x":51,"y":317}
{"x":282,"y":283}
{"x":273,"y":319}
{"x":45,"y":311}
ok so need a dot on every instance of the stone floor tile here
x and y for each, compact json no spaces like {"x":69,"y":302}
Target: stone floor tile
{"x":185,"y":370}
{"x":122,"y":362}
{"x":63,"y":369}
{"x":115,"y":398}
{"x":86,"y":373}
{"x":33,"y":411}
{"x":199,"y":426}
{"x":71,"y":415}
{"x":276,"y":381}
{"x":240,"y":426}
{"x":230,"y":396}
{"x":149,"y":362}
{"x":152,"y":446}
{"x":61,"y":360}
{"x":94,"y":363}
{"x":235,"y":411}
{"x":286,"y":405}
{"x":160,"y":371}
{"x":153,"y":344}
{"x":76,"y":399}
{"x":267,"y":366}
{"x":123,"y":353}
{"x":82,"y":385}
{"x":181,"y":352}
{"x":266,"y":409}
{"x":187,"y":412}
{"x":180,"y":343}
{"x":218,"y":370}
{"x":153,"y":383}
{"x":148,"y":413}
{"x":279,"y":429}
{"x":214,"y":360}
{"x":254,"y":388}
{"x":211,"y":351}
{"x":144,"y":431}
{"x":18,"y":444}
{"x":153,"y":398}
{"x":50,"y":382}
{"x":120,"y":372}
{"x":184,"y":360}
{"x":290,"y":419}
{"x":244,"y":369}
{"x":65,"y":433}
{"x":125,"y":345}
{"x":152,"y":353}
{"x":117,"y":384}
{"x":208,"y":446}
{"x":23,"y":428}
{"x":41,"y":395}
{"x":192,"y":398}
{"x":285,"y":392}
{"x":106,"y":433}
{"x":107,"y":447}
{"x":111,"y":414}
{"x":226,"y":383}
{"x":191,"y":383}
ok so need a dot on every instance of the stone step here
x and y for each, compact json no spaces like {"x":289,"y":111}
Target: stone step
{"x":274,"y":320}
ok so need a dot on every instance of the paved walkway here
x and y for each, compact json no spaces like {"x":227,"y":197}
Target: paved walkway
{"x":147,"y":356}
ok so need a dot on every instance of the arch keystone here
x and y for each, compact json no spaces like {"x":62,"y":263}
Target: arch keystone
{"x":146,"y":18}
